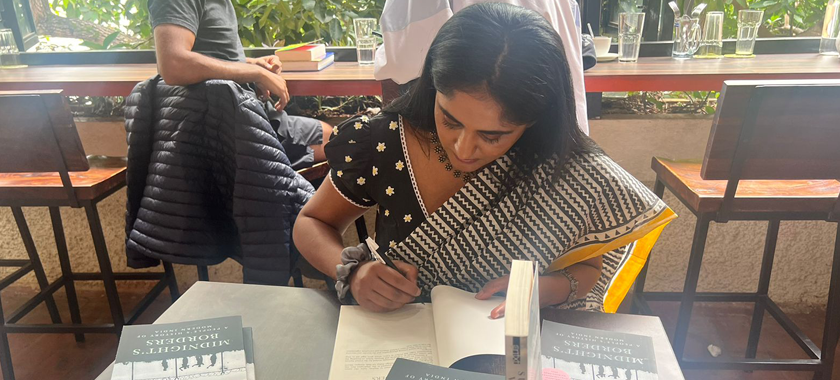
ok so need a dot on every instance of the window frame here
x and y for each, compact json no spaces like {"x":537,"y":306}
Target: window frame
{"x":10,"y":19}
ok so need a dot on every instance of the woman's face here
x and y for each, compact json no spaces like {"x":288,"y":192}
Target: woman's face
{"x":472,"y":130}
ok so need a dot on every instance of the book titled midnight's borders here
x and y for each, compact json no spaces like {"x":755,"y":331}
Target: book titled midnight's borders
{"x":578,"y":353}
{"x":210,"y":349}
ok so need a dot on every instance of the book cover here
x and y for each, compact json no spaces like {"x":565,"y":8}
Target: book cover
{"x":410,"y":369}
{"x":310,"y":52}
{"x":577,"y":353}
{"x":289,"y":66}
{"x":210,"y":349}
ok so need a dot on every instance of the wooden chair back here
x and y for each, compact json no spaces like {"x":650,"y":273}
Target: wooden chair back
{"x":774,"y":130}
{"x":37,"y":134}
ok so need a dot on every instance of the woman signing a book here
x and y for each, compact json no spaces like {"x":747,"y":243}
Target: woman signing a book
{"x":479,"y":164}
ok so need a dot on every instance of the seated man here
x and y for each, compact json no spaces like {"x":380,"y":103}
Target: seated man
{"x":197,"y":40}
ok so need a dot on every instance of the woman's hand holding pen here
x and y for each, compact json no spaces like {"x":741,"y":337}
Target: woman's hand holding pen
{"x":377,"y":287}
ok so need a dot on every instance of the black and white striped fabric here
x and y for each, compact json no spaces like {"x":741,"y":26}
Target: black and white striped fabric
{"x":553,"y":218}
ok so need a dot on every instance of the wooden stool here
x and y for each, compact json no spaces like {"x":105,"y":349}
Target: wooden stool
{"x":42,"y":164}
{"x":772,"y":155}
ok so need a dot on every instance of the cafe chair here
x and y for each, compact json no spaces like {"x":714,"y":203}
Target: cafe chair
{"x":772,"y":155}
{"x":43,"y":164}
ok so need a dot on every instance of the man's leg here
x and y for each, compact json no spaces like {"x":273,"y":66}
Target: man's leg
{"x":303,"y":138}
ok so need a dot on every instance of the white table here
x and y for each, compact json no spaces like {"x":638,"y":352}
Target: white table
{"x":294,"y":329}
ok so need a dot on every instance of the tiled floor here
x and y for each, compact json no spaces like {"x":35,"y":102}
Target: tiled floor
{"x":47,"y":357}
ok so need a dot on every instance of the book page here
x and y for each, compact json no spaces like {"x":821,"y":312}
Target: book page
{"x":463,"y":325}
{"x":368,"y":343}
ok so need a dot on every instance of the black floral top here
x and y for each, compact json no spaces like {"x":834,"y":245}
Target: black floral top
{"x":370,"y":166}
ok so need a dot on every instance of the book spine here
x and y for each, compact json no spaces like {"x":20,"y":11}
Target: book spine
{"x":516,"y":358}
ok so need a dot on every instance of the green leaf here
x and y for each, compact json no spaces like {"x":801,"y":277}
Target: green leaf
{"x":108,"y":40}
{"x":248,"y":22}
{"x":92,"y":45}
{"x":264,"y":19}
{"x":764,"y":4}
{"x":309,"y":5}
{"x":351,"y":15}
{"x":709,"y":110}
{"x":336,"y":32}
{"x":321,"y":13}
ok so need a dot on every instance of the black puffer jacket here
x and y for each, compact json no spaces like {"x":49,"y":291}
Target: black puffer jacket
{"x":207,"y":180}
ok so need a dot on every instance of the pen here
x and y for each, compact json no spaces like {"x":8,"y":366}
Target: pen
{"x":374,"y":251}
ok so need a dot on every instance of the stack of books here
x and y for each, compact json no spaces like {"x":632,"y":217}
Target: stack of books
{"x":305,"y":57}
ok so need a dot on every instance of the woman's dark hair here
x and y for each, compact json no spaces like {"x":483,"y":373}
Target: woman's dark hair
{"x":515,"y":56}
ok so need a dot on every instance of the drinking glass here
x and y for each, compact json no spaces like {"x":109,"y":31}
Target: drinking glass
{"x":686,"y":37}
{"x":711,"y":45}
{"x":630,"y":27}
{"x":365,"y":40}
{"x":831,"y":28}
{"x":9,"y":54}
{"x":365,"y":48}
{"x":748,"y":22}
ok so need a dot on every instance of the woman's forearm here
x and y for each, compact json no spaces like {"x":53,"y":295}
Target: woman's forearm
{"x":555,"y":287}
{"x":319,"y":242}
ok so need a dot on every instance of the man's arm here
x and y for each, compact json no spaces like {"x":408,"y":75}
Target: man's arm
{"x":180,"y":66}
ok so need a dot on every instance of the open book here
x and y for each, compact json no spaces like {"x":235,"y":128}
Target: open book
{"x":454,"y":326}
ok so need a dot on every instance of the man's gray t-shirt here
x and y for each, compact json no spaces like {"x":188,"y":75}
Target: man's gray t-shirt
{"x":213,"y":22}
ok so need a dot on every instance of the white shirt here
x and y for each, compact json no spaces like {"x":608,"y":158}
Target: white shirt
{"x":409,"y":26}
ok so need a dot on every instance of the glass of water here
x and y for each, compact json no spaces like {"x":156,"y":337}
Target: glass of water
{"x":686,"y":37}
{"x":9,"y":54}
{"x":748,"y":22}
{"x":712,"y":44}
{"x":365,"y":48}
{"x":630,"y":27}
{"x":365,"y":40}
